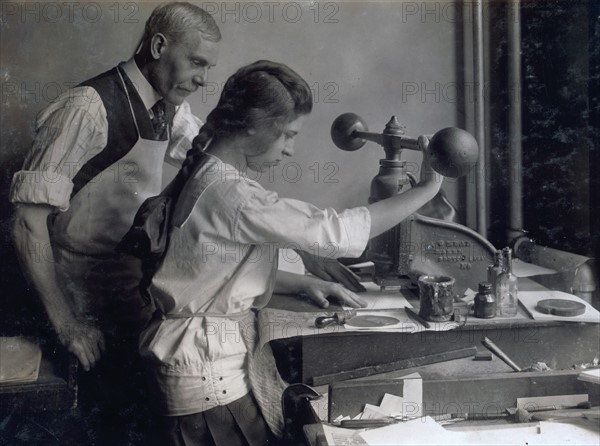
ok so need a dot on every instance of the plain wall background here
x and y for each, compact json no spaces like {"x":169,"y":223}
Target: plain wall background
{"x":359,"y":57}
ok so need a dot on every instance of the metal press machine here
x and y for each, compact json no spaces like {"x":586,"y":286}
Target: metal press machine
{"x":428,"y":242}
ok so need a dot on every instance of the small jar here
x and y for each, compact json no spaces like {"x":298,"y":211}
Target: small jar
{"x":485,"y":302}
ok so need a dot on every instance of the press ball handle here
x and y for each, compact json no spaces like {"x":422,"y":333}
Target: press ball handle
{"x":452,"y":151}
{"x":344,"y":132}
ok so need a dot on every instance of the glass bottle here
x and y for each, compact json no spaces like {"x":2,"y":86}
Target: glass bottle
{"x":485,"y":302}
{"x":506,"y":288}
{"x":494,"y":270}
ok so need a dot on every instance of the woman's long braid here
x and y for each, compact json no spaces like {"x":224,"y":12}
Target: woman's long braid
{"x":191,"y":159}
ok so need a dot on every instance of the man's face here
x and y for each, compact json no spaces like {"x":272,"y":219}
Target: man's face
{"x":275,"y":151}
{"x":183,"y":66}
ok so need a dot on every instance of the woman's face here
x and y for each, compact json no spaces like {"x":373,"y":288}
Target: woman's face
{"x":269,"y":152}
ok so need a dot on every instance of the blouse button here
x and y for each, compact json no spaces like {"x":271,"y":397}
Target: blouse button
{"x":221,"y":378}
{"x":204,"y":378}
{"x":224,"y":391}
{"x":207,"y":399}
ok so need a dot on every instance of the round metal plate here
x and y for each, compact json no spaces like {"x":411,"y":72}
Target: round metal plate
{"x":372,"y":320}
{"x":560,"y":307}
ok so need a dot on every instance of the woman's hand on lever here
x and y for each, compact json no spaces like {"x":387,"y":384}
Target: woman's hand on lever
{"x":427,"y":172}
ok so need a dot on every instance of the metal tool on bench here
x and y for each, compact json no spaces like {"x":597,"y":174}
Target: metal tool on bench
{"x":420,"y":244}
{"x":369,"y":319}
{"x":487,"y":343}
{"x":356,"y":319}
{"x":557,"y":411}
{"x":338,"y":318}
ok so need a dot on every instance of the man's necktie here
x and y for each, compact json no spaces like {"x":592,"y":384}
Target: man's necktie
{"x":159,"y":120}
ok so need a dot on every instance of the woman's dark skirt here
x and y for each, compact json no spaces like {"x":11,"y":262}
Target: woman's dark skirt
{"x":238,"y":423}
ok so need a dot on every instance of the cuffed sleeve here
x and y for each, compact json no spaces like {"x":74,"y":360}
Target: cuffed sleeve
{"x":41,"y":187}
{"x":69,"y":132}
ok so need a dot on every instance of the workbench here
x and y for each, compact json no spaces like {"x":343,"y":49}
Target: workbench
{"x":332,"y":357}
{"x":327,"y":357}
{"x":484,"y":393}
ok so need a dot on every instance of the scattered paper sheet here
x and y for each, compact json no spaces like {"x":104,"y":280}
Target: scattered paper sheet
{"x":337,"y":436}
{"x":413,"y":396}
{"x":20,"y":359}
{"x":282,"y":324}
{"x":425,"y":431}
{"x":392,"y":404}
{"x":409,"y":404}
{"x":415,"y":432}
{"x":592,"y":376}
{"x":529,"y":300}
{"x":377,"y":299}
{"x":371,"y":412}
{"x":320,"y":406}
{"x":521,"y":268}
{"x":568,"y":432}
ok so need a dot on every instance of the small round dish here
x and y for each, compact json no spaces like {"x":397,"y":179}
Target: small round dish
{"x":560,"y":307}
{"x":371,"y":321}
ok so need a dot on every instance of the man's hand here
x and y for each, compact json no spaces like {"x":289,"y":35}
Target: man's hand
{"x":30,"y":231}
{"x":84,"y":341}
{"x":318,"y":290}
{"x":332,"y":271}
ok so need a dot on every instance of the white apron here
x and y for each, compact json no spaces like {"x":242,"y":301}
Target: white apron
{"x":103,"y":286}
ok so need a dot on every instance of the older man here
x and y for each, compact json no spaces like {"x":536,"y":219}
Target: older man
{"x":104,"y":143}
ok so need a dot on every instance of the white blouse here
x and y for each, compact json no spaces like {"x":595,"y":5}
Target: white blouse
{"x":222,"y":261}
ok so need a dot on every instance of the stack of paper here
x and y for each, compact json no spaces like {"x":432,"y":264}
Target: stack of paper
{"x":20,"y":359}
{"x":408,"y":405}
{"x":592,"y":376}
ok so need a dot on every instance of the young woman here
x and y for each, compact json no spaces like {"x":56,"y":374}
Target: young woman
{"x":221,"y":261}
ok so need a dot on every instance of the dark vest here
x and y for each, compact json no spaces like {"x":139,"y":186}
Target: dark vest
{"x":122,"y":133}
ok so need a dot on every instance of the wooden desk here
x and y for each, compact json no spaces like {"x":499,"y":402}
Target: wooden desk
{"x":559,"y":344}
{"x":486,"y":393}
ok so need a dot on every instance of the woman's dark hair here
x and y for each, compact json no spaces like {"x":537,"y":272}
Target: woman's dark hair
{"x":262,"y":95}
